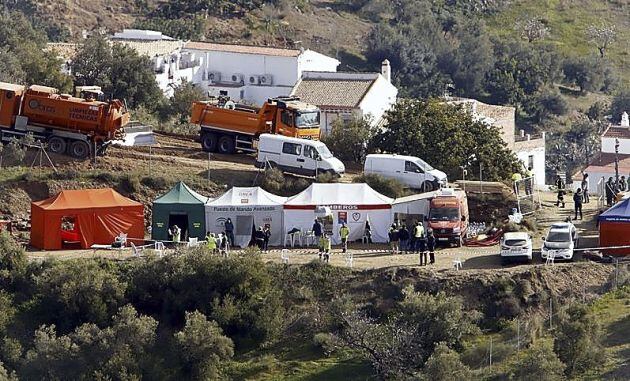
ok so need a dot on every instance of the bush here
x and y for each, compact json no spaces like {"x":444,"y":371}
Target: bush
{"x":326,"y":177}
{"x":105,"y":177}
{"x":538,"y":363}
{"x":157,"y":183}
{"x":67,"y":174}
{"x":273,"y":180}
{"x":388,"y":187}
{"x":349,"y":140}
{"x":129,"y":184}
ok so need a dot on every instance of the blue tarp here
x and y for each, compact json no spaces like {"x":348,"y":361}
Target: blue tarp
{"x":617,"y":213}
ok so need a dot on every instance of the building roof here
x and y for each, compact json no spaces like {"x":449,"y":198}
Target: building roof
{"x":63,"y":50}
{"x":335,"y":89}
{"x":152,"y":48}
{"x":617,"y":132}
{"x":605,"y":163}
{"x":243,"y":49}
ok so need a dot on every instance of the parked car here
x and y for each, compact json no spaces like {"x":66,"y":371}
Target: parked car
{"x":516,"y":246}
{"x":411,"y":171}
{"x":560,"y":241}
{"x":299,"y":156}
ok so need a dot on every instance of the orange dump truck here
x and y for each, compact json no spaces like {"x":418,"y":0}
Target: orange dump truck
{"x":226,"y":127}
{"x":75,"y":126}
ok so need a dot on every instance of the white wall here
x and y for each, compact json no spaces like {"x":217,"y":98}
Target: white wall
{"x":380,"y":97}
{"x":285,"y":71}
{"x":539,"y":162}
{"x":328,"y":118}
{"x":608,"y":145}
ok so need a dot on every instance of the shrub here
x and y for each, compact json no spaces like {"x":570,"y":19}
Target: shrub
{"x":349,"y":140}
{"x":326,"y":177}
{"x":129,"y":184}
{"x":538,"y":362}
{"x":156,"y":183}
{"x":272,"y":180}
{"x":67,"y":174}
{"x":105,"y":177}
{"x":388,"y":187}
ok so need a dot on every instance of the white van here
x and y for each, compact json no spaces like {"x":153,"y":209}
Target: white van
{"x":411,"y":171}
{"x":300,"y":156}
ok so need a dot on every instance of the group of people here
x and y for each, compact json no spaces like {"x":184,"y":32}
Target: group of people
{"x":417,"y":240}
{"x":217,"y":243}
{"x":580,"y":197}
{"x":517,"y":177}
{"x":613,"y":187}
{"x":324,"y":240}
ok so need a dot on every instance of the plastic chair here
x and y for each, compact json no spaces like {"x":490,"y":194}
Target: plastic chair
{"x":309,"y":238}
{"x":135,"y":251}
{"x":284,"y":255}
{"x":159,"y":248}
{"x":458,"y":264}
{"x":193,"y":242}
{"x":349,"y":259}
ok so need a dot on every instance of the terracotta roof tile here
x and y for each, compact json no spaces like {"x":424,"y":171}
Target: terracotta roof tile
{"x":332,"y":93}
{"x":617,"y":132}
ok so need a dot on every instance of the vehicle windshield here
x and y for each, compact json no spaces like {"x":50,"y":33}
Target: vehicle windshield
{"x":424,"y":165}
{"x":444,"y":214}
{"x":555,"y":236}
{"x":324,"y":152}
{"x":515,"y":242}
{"x":307,"y":119}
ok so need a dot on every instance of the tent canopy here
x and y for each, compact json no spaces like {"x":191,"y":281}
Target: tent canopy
{"x":85,"y":199}
{"x":96,"y":216}
{"x":248,"y":196}
{"x":181,"y":194}
{"x":179,"y":206}
{"x":338,"y":194}
{"x":618,"y":213}
{"x":352,"y":204}
{"x":247,"y":208}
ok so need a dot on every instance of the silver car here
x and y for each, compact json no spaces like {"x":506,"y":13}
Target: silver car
{"x":560,"y":242}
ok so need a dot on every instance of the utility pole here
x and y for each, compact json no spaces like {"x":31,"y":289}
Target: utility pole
{"x":550,"y":314}
{"x":490,"y":359}
{"x":617,"y":162}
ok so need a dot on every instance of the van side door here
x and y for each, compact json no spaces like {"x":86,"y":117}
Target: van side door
{"x":311,"y":162}
{"x":291,"y":157}
{"x":413,"y":175}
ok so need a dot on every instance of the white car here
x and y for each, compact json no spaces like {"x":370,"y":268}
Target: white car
{"x":560,"y":242}
{"x":516,"y":246}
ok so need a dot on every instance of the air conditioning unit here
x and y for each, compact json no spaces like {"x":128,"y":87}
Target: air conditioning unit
{"x":236,"y":78}
{"x":254,"y":80}
{"x":265,"y":80}
{"x":214,"y":76}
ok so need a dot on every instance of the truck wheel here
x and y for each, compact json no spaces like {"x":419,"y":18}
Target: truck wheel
{"x":80,"y":149}
{"x":428,"y":186}
{"x":209,"y":142}
{"x":57,"y":145}
{"x":226,"y":144}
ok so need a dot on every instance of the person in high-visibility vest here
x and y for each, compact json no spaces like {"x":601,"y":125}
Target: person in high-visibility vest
{"x":327,"y":247}
{"x":344,"y":232}
{"x":211,"y":242}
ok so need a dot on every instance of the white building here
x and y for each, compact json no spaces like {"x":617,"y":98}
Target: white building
{"x":172,"y":65}
{"x":347,"y":96}
{"x":253,"y":73}
{"x":530,"y":150}
{"x":602,"y":166}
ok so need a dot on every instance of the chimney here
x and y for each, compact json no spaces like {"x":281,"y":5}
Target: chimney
{"x":624,"y":120}
{"x":386,"y":70}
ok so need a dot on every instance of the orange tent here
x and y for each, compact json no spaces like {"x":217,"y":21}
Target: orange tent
{"x":98,"y":215}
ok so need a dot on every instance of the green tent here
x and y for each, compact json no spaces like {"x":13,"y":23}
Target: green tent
{"x":183,"y":207}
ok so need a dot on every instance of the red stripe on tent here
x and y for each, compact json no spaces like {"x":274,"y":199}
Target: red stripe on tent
{"x":335,"y":208}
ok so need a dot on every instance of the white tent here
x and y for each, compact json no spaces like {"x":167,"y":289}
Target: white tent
{"x":248,"y":208}
{"x":352,"y":203}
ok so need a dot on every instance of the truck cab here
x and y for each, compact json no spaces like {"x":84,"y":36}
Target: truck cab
{"x":448,"y":216}
{"x":295,"y":118}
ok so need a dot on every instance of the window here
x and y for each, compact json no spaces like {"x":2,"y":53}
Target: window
{"x":412,"y":167}
{"x":287,"y":118}
{"x":530,"y":161}
{"x":307,"y":119}
{"x":292,"y":149}
{"x":311,"y":152}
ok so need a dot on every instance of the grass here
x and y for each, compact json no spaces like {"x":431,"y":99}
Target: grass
{"x":298,"y":360}
{"x":613,"y":311}
{"x":567,"y":22}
